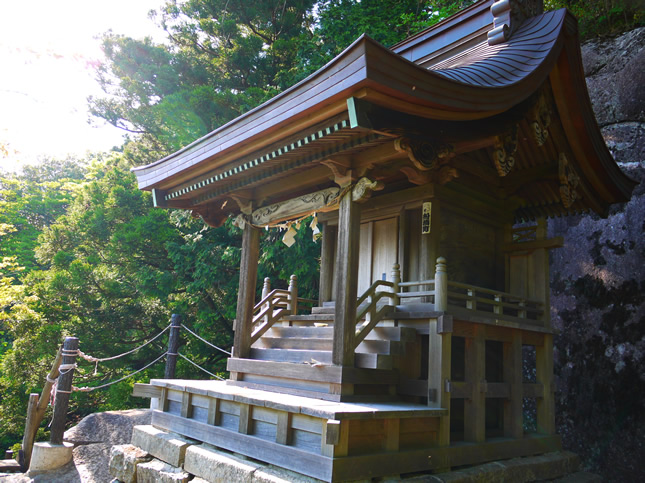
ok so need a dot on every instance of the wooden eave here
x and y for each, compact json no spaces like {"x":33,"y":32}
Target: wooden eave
{"x":296,"y":130}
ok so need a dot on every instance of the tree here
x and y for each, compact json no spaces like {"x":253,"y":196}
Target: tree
{"x":31,"y":201}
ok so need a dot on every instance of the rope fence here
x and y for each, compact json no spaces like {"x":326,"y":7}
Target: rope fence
{"x":66,"y":368}
{"x":58,"y":386}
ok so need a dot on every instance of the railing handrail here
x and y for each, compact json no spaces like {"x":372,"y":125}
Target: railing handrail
{"x":414,"y":283}
{"x":278,"y":292}
{"x":494,"y":292}
{"x":370,"y":308}
{"x":372,"y":289}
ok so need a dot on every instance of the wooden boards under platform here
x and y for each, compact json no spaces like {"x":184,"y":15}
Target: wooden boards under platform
{"x":327,"y":440}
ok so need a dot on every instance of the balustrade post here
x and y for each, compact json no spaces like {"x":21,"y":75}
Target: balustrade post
{"x":266,"y":290}
{"x":396,"y":280}
{"x":441,"y":286}
{"x":293,"y":295}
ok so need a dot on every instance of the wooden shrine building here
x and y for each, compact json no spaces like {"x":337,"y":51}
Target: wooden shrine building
{"x":432,"y":166}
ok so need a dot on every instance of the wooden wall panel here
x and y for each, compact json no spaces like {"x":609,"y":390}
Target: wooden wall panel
{"x":470,"y":248}
{"x":384,"y":248}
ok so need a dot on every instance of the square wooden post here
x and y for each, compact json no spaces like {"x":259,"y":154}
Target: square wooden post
{"x":327,"y":263}
{"x":439,"y":367}
{"x":544,"y":369}
{"x":475,"y":405}
{"x":347,"y":253}
{"x":246,"y":292}
{"x":513,"y":416}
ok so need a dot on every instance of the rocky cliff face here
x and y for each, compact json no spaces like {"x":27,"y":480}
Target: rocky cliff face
{"x":598,"y":283}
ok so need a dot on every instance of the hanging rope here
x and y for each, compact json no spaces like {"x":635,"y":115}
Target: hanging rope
{"x":200,"y":367}
{"x":97,"y":360}
{"x":90,"y":389}
{"x":205,"y":341}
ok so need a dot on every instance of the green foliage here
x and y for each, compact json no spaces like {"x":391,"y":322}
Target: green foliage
{"x":32,"y":200}
{"x":603,"y":17}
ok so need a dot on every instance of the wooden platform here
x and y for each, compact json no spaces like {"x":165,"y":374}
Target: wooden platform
{"x":328,"y":440}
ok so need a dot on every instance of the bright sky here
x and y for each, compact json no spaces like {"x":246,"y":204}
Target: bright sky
{"x":48,"y":51}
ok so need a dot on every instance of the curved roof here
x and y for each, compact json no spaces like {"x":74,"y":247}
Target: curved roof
{"x":507,"y":63}
{"x":464,"y":80}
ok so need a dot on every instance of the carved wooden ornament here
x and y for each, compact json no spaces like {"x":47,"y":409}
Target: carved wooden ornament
{"x":541,"y":120}
{"x":504,"y":149}
{"x":363,"y":189}
{"x":290,"y":209}
{"x":424,"y":154}
{"x":569,"y":181}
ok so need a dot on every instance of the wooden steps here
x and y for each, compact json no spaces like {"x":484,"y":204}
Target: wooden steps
{"x":311,"y":344}
{"x":295,"y":357}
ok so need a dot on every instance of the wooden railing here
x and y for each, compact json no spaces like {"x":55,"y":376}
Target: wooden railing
{"x":479,"y":301}
{"x":368,"y":306}
{"x":496,"y":304}
{"x":275,"y":305}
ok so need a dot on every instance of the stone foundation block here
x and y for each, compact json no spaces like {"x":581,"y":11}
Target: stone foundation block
{"x":217,"y":467}
{"x":156,"y":471}
{"x":272,"y":474}
{"x":124,"y":459}
{"x":548,"y":466}
{"x":168,"y":447}
{"x":543,"y":467}
{"x":47,"y":457}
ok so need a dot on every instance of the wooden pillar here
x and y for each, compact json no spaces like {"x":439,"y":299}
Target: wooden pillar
{"x":347,"y":254}
{"x":513,"y":416}
{"x":545,"y":404}
{"x":327,"y":263}
{"x":439,"y":354}
{"x":246,"y":292}
{"x":475,"y":405}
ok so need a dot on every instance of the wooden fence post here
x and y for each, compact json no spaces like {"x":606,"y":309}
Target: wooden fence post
{"x":33,"y":420}
{"x":441,"y":286}
{"x":63,"y":389}
{"x":173,"y":346}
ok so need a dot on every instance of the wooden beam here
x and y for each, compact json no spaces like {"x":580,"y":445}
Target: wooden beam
{"x":246,"y":292}
{"x":320,"y":201}
{"x":548,"y":244}
{"x":347,"y":254}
